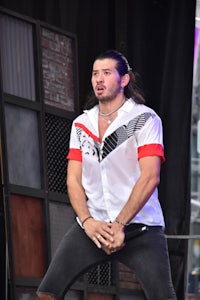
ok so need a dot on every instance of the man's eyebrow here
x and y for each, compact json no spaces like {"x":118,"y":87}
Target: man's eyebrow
{"x":107,"y":69}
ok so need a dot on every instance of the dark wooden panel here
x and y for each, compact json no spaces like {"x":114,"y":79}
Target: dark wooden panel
{"x":28,"y":237}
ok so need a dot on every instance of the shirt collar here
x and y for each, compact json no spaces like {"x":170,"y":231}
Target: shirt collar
{"x":95,"y":110}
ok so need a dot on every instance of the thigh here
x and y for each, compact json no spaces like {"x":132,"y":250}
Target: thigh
{"x":75,"y":254}
{"x":147,"y":256}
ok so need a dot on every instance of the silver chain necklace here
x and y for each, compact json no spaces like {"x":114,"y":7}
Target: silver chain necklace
{"x":109,"y":121}
{"x":110,"y":113}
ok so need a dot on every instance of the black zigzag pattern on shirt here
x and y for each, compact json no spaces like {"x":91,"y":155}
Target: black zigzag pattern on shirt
{"x":78,"y":131}
{"x":124,"y":132}
{"x":88,"y":145}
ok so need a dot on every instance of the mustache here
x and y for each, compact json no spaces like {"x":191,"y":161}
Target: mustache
{"x":100,"y":86}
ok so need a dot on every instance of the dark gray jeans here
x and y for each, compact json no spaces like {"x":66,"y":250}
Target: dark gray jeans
{"x":146,"y":254}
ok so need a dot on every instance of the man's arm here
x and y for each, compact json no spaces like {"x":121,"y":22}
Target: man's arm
{"x":147,"y":182}
{"x":141,"y":192}
{"x":93,"y":228}
{"x":75,"y":189}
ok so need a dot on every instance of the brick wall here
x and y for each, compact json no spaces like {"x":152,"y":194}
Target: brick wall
{"x":58,"y":69}
{"x":127,"y":278}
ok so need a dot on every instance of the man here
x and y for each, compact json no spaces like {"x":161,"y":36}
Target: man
{"x":116,"y":150}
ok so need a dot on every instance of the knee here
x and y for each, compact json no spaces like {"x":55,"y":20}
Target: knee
{"x":42,"y":296}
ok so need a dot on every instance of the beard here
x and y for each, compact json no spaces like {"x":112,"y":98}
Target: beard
{"x":110,"y":97}
{"x":104,"y":99}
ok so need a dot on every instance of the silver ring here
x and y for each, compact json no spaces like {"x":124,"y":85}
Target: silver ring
{"x":98,"y":236}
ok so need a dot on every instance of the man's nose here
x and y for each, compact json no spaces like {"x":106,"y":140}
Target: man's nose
{"x":100,"y":78}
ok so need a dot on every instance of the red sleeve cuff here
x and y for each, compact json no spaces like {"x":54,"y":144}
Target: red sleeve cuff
{"x":75,"y":154}
{"x":151,"y":150}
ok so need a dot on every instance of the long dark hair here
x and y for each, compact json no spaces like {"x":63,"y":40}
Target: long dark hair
{"x":134,"y":87}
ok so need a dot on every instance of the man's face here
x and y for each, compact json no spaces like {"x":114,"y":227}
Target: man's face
{"x":106,"y":81}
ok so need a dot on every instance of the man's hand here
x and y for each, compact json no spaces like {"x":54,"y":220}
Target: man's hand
{"x":107,"y":236}
{"x":118,"y":242}
{"x":99,"y":232}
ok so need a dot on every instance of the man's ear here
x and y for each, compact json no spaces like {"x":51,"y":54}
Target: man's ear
{"x":125,"y":80}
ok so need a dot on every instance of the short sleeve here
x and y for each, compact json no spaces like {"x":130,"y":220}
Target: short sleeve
{"x":150,"y":138}
{"x":74,"y":145}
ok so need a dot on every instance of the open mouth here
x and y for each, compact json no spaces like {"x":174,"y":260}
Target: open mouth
{"x":99,"y":89}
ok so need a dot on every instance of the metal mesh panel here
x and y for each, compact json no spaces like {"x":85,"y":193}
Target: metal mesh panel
{"x":101,"y":275}
{"x":57,"y":134}
{"x":61,"y":219}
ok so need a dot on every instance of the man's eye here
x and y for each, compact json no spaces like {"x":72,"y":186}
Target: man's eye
{"x":107,"y":73}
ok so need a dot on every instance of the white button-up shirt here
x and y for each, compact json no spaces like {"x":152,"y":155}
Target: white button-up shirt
{"x":110,"y":167}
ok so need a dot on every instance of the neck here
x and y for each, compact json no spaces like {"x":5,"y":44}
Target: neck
{"x":110,"y":107}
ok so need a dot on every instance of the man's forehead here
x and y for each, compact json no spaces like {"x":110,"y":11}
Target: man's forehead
{"x":106,"y":63}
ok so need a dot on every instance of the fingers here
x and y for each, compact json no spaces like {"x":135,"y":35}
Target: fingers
{"x":111,"y":251}
{"x":104,"y":237}
{"x":106,"y":246}
{"x":101,"y":241}
{"x":96,"y":241}
{"x":105,"y":232}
